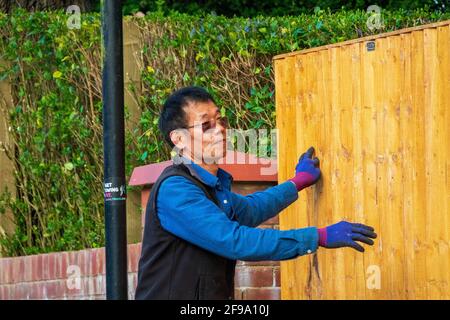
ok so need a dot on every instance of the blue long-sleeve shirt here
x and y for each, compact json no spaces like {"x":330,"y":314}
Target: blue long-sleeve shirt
{"x":229,"y":229}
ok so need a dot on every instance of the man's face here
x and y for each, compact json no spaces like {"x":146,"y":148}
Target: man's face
{"x":205,"y":135}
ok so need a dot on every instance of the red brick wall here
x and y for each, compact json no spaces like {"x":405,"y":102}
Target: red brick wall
{"x":257,"y":280}
{"x":81,"y":274}
{"x":61,"y":275}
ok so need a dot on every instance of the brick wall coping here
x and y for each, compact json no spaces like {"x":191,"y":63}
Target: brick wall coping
{"x":242,"y":166}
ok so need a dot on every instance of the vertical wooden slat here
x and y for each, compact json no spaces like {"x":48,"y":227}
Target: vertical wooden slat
{"x":301,"y":216}
{"x":407,"y":133}
{"x":322,"y":189}
{"x":281,"y":80}
{"x":381,"y":165}
{"x":445,"y":98}
{"x":300,"y":120}
{"x":327,"y":165}
{"x":344,"y":154}
{"x":433,"y":210}
{"x":444,"y":81}
{"x":372,"y":256}
{"x":311,"y":122}
{"x":444,"y":48}
{"x":337,"y":281}
{"x":357,"y":184}
{"x":440,"y":156}
{"x":393,"y":159}
{"x":329,"y":92}
{"x":419,"y":201}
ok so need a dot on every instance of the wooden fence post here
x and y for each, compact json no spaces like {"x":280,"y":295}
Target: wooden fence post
{"x":6,"y":165}
{"x":131,"y":50}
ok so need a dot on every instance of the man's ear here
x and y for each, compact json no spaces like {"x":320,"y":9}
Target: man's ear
{"x":180,"y":138}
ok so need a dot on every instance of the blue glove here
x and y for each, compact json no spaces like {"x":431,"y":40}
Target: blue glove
{"x":345,"y":234}
{"x":307,"y":171}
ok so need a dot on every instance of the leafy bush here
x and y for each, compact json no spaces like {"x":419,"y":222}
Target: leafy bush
{"x":56,"y":129}
{"x":247,"y":8}
{"x":55,"y":121}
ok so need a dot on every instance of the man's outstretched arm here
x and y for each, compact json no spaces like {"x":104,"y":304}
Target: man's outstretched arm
{"x":194,"y":218}
{"x":253,"y":209}
{"x":186,"y":212}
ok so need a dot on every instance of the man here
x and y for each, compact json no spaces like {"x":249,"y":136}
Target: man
{"x":196,"y":228}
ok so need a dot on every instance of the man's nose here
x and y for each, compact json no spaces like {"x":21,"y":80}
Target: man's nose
{"x":220,"y":130}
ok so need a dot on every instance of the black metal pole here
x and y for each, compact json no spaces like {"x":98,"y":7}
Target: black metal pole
{"x":113,"y":150}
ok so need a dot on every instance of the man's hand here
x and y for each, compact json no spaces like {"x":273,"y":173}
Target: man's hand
{"x":345,"y":234}
{"x":307,"y":171}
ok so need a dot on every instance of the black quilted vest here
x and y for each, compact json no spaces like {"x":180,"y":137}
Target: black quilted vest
{"x":171,"y":268}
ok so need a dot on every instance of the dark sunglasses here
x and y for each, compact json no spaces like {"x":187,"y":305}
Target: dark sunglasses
{"x":207,"y":125}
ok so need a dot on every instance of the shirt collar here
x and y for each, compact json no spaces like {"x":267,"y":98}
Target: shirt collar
{"x":223,"y":178}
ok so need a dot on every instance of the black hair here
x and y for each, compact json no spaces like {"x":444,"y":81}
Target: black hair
{"x":172,"y":114}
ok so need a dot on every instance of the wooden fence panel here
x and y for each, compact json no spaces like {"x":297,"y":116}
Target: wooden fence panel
{"x":379,"y":121}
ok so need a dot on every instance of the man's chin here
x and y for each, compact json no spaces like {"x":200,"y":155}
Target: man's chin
{"x":215,"y":157}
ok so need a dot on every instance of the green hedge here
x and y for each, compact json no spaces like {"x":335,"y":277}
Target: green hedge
{"x":55,"y":123}
{"x":56,"y":129}
{"x":249,"y":8}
